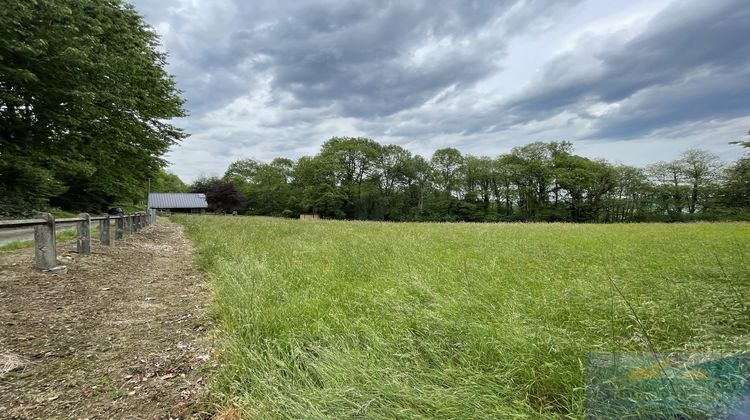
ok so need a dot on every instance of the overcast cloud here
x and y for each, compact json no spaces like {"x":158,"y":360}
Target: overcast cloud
{"x":634,"y":82}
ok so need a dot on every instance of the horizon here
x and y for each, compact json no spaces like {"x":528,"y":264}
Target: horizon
{"x":633,"y":83}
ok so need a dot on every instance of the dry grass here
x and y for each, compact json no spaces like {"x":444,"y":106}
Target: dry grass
{"x":10,"y":362}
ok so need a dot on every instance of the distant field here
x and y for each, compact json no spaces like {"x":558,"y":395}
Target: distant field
{"x":457,"y":320}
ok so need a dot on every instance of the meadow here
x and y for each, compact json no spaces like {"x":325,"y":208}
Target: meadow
{"x":382,"y":320}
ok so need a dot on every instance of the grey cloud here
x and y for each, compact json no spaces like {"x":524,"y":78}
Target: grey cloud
{"x":722,"y":96}
{"x":364,"y":66}
{"x":355,"y":55}
{"x":687,"y":64}
{"x":307,"y":70}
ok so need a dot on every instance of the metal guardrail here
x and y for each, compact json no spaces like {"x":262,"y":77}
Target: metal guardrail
{"x":45,"y":246}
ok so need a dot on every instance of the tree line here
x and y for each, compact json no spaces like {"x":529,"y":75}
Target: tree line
{"x":84,"y":105}
{"x":358,"y":178}
{"x":84,"y":100}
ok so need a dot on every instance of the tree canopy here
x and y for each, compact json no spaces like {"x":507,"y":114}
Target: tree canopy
{"x":84,"y":99}
{"x":357,"y":178}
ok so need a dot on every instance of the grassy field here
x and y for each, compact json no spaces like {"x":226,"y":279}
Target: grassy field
{"x":457,"y":320}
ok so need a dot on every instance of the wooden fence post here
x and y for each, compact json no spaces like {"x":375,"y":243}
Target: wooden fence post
{"x":83,"y":241}
{"x":136,"y":226}
{"x":120,"y":228}
{"x":45,"y":251}
{"x":104,"y":231}
{"x":128,"y":223}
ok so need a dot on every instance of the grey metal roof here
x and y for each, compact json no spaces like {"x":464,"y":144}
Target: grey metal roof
{"x":177,"y":201}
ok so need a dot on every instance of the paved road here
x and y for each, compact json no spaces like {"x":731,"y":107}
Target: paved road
{"x":26,"y":234}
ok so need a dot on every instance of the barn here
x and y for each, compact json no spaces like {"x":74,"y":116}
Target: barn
{"x":177,"y":203}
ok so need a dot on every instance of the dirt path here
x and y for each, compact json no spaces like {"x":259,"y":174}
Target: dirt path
{"x":121,"y":335}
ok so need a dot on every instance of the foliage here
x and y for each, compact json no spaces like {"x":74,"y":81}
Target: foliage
{"x":168,"y":182}
{"x":202,"y":184}
{"x":383,"y":320}
{"x":743,"y":142}
{"x":736,"y":189}
{"x":83,"y":102}
{"x":357,"y":178}
{"x":224,"y":197}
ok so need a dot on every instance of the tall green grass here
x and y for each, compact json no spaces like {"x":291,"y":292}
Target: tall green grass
{"x":338,"y":319}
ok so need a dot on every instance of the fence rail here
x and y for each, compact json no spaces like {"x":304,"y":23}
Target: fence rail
{"x":45,"y":246}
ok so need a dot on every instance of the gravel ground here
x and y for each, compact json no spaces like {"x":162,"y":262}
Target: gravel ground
{"x":124,"y":334}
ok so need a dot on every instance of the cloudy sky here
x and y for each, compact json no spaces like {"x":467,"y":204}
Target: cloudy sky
{"x":634,"y":82}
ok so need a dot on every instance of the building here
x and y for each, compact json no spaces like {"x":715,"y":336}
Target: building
{"x":177,"y":203}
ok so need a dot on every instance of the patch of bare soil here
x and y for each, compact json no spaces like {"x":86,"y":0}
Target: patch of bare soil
{"x":122,"y":335}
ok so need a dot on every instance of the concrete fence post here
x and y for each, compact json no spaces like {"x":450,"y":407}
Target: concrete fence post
{"x":104,"y":231}
{"x":45,"y":251}
{"x":136,"y":223}
{"x":120,"y":227}
{"x":128,"y":223}
{"x":83,"y":241}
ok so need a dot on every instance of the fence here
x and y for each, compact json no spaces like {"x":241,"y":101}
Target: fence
{"x":45,"y":246}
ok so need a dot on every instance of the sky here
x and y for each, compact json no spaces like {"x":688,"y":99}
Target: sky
{"x":634,"y":81}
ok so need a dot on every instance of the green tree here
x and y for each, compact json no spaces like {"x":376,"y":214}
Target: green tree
{"x":587,"y":182}
{"x":359,"y":179}
{"x":354,"y":163}
{"x":204,"y":183}
{"x":478,"y":181}
{"x":242,"y":171}
{"x":533,"y":175}
{"x":84,"y":100}
{"x":628,"y":200}
{"x":447,"y":164}
{"x":503,"y":187}
{"x":700,"y":169}
{"x":736,"y":190}
{"x":744,"y":142}
{"x":670,"y":188}
{"x":422,"y":175}
{"x":393,"y":173}
{"x":270,"y":189}
{"x":317,"y":188}
{"x":168,"y":182}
